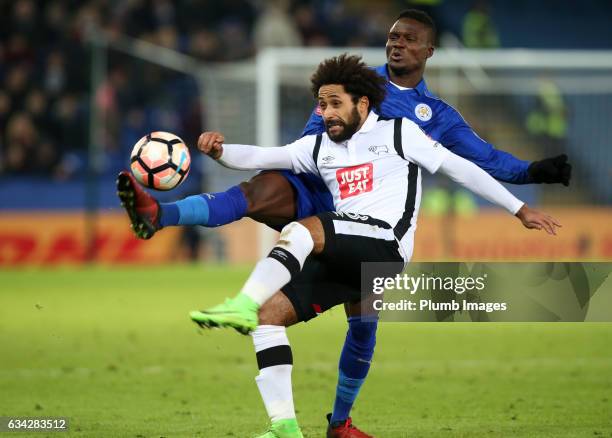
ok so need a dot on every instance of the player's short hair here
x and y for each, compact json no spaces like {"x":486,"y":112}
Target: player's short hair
{"x":354,"y":75}
{"x":421,"y":17}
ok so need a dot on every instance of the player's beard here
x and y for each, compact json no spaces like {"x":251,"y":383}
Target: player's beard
{"x":348,"y":129}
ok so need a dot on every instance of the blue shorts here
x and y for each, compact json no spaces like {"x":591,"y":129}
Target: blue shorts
{"x":312,"y":195}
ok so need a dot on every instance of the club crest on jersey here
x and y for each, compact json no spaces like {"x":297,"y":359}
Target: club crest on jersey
{"x":355,"y":180}
{"x":379,"y":149}
{"x":423,"y":112}
{"x":350,"y":215}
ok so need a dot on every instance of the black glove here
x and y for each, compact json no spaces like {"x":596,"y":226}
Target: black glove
{"x":550,"y":171}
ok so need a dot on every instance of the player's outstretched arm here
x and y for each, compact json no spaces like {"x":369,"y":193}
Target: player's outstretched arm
{"x":463,"y":141}
{"x":481,"y":183}
{"x":243,"y":157}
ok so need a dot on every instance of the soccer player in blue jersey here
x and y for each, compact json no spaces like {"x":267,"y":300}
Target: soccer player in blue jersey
{"x":279,"y":197}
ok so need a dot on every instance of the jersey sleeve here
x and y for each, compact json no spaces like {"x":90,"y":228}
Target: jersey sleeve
{"x":297,"y":156}
{"x":301,"y":153}
{"x":461,"y":139}
{"x":419,"y":148}
{"x":315,"y":123}
{"x":248,"y":157}
{"x":480,"y":182}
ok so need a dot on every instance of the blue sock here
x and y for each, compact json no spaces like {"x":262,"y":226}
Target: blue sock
{"x":208,"y":209}
{"x":354,"y":364}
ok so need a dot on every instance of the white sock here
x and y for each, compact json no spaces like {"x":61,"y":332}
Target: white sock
{"x":274,"y":382}
{"x":285,"y":260}
{"x":268,"y":277}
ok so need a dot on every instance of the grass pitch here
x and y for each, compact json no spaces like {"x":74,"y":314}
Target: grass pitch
{"x":115,"y":351}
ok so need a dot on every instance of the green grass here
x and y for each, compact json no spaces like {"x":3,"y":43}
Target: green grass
{"x":115,"y":351}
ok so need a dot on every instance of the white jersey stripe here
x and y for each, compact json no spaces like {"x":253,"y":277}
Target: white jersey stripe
{"x":361,"y":229}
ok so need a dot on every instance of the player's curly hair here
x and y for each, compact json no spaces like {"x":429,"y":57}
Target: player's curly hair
{"x":352,"y":73}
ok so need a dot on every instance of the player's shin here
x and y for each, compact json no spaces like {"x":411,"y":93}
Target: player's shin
{"x":354,"y":365}
{"x":207,"y":209}
{"x":275,"y":362}
{"x":284,"y":261}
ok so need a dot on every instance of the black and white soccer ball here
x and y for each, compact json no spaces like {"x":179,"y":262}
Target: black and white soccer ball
{"x":160,"y":160}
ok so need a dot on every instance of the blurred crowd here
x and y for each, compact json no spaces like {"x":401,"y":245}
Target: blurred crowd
{"x":45,"y":65}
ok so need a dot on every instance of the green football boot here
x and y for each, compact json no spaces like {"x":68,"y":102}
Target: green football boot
{"x":239,"y":313}
{"x":283,"y":429}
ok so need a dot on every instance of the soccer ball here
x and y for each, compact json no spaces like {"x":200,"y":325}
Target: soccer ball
{"x":160,"y":160}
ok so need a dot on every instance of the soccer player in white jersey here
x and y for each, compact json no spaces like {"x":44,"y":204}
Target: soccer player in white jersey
{"x":372,"y":168}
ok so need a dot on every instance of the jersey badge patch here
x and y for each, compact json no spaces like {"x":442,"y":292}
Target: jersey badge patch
{"x":355,"y":180}
{"x":423,"y":112}
{"x":379,"y":149}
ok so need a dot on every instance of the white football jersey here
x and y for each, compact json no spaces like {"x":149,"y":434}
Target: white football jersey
{"x":376,"y":172}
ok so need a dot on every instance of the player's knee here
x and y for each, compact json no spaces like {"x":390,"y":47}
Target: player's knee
{"x":295,"y":237}
{"x":259,"y":196}
{"x":269,"y":195}
{"x":247,"y":190}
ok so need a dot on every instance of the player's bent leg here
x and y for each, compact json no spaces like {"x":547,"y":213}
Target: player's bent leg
{"x":148,"y":216}
{"x":272,"y":197}
{"x":275,"y":363}
{"x":268,"y":197}
{"x":296,"y":242}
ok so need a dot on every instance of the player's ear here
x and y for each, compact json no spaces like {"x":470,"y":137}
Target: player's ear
{"x":363,"y":103}
{"x":430,"y":50}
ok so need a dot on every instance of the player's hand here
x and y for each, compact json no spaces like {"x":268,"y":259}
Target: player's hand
{"x":211,"y":143}
{"x":536,"y":220}
{"x":550,"y":170}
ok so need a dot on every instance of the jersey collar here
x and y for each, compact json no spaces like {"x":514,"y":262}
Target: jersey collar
{"x":369,"y":123}
{"x":420,"y":89}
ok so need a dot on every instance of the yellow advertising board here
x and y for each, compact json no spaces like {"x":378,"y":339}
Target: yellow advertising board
{"x":45,"y":238}
{"x":586,"y":234}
